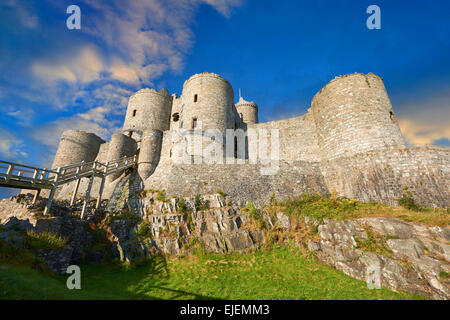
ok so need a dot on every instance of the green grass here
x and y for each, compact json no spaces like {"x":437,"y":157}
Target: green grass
{"x":280,"y":273}
{"x":340,"y":208}
{"x":255,"y":215}
{"x":44,"y":240}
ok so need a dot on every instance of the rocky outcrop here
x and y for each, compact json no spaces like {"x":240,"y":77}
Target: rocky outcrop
{"x":18,"y":215}
{"x":387,"y":252}
{"x":173,"y":230}
{"x":384,"y":252}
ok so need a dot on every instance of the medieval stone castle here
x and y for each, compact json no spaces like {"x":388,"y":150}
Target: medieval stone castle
{"x":348,"y":142}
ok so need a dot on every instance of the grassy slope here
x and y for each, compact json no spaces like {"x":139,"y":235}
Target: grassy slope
{"x":320,"y":207}
{"x":276,"y":274}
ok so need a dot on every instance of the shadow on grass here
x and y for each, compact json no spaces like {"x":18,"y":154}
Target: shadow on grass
{"x":147,"y":280}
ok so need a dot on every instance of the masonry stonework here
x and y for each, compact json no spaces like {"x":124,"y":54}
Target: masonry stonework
{"x":353,"y":114}
{"x":348,"y":142}
{"x":208,"y":99}
{"x":76,"y":146}
{"x":248,"y":111}
{"x":147,"y":109}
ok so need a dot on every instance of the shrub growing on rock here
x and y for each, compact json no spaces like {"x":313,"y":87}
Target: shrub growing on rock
{"x":407,"y":201}
{"x":44,"y":240}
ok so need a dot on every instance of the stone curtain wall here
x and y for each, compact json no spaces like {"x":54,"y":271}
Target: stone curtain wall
{"x":375,"y":176}
{"x":381,"y":176}
{"x":242,"y":182}
{"x":353,"y":114}
{"x":298,"y":139}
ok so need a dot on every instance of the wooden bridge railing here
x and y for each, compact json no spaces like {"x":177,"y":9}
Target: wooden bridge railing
{"x":15,"y":175}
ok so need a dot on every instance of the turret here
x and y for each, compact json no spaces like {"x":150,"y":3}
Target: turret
{"x":248,"y":111}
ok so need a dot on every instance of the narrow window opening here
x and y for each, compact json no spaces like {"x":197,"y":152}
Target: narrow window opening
{"x":194,"y":123}
{"x":176,"y":117}
{"x":130,"y":133}
{"x":393,"y":118}
{"x":195,"y":98}
{"x":235,"y":147}
{"x":134,"y":113}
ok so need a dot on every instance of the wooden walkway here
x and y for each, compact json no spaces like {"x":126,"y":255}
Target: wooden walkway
{"x":13,"y":175}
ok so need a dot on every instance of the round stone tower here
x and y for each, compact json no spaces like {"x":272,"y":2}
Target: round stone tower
{"x":120,"y":146}
{"x":147,"y":109}
{"x":207,"y":98}
{"x":150,"y":152}
{"x":76,"y":146}
{"x":353,"y":114}
{"x":248,"y":111}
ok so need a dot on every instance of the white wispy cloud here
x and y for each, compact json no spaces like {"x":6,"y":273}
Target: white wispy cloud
{"x":84,"y":66}
{"x":141,"y":39}
{"x":224,"y":6}
{"x":22,"y":115}
{"x":10,"y":146}
{"x":136,"y":42}
{"x":50,"y":133}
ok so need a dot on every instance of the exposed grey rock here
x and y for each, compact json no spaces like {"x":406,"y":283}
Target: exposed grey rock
{"x":414,"y":258}
{"x":283,"y":221}
{"x":440,"y":233}
{"x":408,"y":248}
{"x":313,"y":246}
{"x":342,"y":232}
{"x":312,"y":221}
{"x":409,"y":268}
{"x":389,"y":227}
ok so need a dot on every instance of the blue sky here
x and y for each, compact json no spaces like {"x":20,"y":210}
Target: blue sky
{"x":279,"y":52}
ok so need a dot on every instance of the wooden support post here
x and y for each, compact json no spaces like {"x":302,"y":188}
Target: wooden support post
{"x":88,"y":191}
{"x":34,"y":177}
{"x":36,"y":196}
{"x":77,"y":185}
{"x":43,"y":174}
{"x":102,"y":185}
{"x":75,"y":191}
{"x":9,"y":172}
{"x":52,"y":192}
